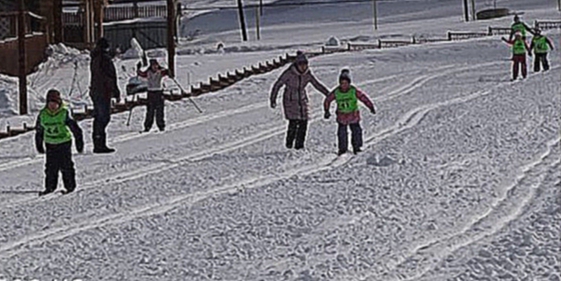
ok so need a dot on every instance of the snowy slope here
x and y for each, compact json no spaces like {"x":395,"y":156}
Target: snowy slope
{"x":457,"y":160}
{"x":459,"y":180}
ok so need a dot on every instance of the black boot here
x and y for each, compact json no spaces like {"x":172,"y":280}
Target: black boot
{"x":45,"y":192}
{"x":100,"y":145}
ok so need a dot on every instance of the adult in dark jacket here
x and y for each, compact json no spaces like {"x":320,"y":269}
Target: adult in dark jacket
{"x":103,"y":87}
{"x":295,"y":100}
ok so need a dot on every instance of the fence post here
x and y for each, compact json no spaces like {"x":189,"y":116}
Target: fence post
{"x":473,"y":10}
{"x":170,"y":34}
{"x":22,"y":60}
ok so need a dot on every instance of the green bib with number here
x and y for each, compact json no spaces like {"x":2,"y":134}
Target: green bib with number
{"x":346,"y":102}
{"x":519,"y":48}
{"x":540,"y":45}
{"x":54,"y":126}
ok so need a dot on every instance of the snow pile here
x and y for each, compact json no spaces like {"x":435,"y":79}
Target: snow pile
{"x":8,"y":91}
{"x":333,"y":42}
{"x":65,"y":69}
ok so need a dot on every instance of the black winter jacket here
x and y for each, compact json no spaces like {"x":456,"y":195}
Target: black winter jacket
{"x":103,"y":81}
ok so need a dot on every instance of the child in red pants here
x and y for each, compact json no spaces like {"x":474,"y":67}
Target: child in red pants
{"x":519,"y":50}
{"x":348,"y":114}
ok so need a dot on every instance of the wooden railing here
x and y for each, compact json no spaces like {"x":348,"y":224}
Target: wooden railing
{"x":117,"y":14}
{"x":547,"y":24}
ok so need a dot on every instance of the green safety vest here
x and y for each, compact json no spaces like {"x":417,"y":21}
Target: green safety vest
{"x":519,"y":27}
{"x":540,"y":45}
{"x":346,"y":102}
{"x":518,"y":47}
{"x":54,"y":125}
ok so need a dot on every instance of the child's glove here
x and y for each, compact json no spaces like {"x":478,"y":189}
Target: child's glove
{"x":40,"y":149}
{"x":273,"y":104}
{"x":80,"y":146}
{"x":373,"y":110}
{"x":138,"y":66}
{"x":326,"y":115}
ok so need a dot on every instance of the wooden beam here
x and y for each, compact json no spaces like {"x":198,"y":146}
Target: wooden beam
{"x":57,"y":28}
{"x":88,"y":22}
{"x":98,"y":18}
{"x":22,"y":60}
{"x":171,"y":36}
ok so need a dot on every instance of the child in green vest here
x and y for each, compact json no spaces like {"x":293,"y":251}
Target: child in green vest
{"x":541,"y":46}
{"x":54,"y":127}
{"x":348,"y":114}
{"x":519,"y":49}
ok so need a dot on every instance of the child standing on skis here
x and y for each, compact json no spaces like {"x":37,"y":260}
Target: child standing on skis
{"x":541,"y":46}
{"x":348,"y":115}
{"x":154,"y":75}
{"x":54,"y":127}
{"x":519,"y":50}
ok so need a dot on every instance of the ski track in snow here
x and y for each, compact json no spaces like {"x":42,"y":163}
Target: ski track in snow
{"x":247,"y":140}
{"x":407,"y":121}
{"x":505,"y":209}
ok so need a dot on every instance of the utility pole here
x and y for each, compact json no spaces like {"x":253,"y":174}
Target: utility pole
{"x":171,"y":35}
{"x":466,"y":10}
{"x":242,"y":20}
{"x":257,"y":23}
{"x":22,"y":65}
{"x":375,"y":12}
{"x":473,"y":10}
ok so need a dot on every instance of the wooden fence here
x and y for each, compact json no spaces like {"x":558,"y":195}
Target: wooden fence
{"x":35,"y":45}
{"x":463,"y":35}
{"x":117,"y":14}
{"x":499,"y":30}
{"x":547,"y":24}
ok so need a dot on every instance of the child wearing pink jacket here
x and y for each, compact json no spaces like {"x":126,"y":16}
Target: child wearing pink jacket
{"x":348,"y":115}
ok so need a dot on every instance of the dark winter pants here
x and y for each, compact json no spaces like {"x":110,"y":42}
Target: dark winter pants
{"x":356,"y":137}
{"x":541,"y":59}
{"x":155,"y":107}
{"x":59,"y":158}
{"x":296,"y":132}
{"x":102,"y":116}
{"x":519,"y":61}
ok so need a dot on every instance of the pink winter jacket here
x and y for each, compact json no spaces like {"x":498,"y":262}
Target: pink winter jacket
{"x":353,"y":117}
{"x":295,"y":100}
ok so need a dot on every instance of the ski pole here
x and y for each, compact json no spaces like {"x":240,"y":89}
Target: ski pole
{"x":183,"y":91}
{"x":130,"y":114}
